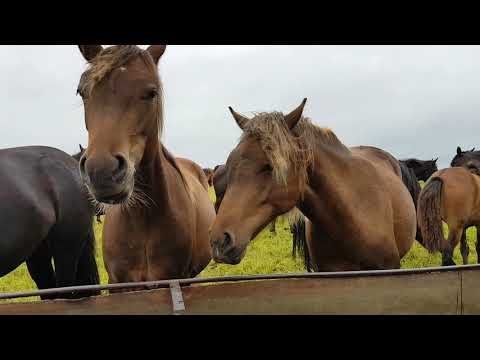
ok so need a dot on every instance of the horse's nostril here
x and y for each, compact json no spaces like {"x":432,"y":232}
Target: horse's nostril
{"x":121,"y":170}
{"x":227,"y":240}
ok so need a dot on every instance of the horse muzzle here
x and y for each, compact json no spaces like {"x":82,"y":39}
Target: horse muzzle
{"x":107,"y":180}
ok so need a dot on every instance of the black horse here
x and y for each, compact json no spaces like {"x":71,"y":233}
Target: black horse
{"x":414,"y":170}
{"x":469,"y":159}
{"x":423,"y":169}
{"x":98,"y":210}
{"x":45,"y":214}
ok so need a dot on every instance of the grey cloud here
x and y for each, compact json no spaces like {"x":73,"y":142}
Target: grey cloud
{"x":414,"y":101}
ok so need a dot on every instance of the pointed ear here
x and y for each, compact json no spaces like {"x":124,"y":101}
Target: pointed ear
{"x":435,"y":160}
{"x":294,"y":117}
{"x":459,"y":150}
{"x":472,"y":150}
{"x":156,"y":51}
{"x":90,"y":51}
{"x":241,"y":120}
{"x":81,"y":147}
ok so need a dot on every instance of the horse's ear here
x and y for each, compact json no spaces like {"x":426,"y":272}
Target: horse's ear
{"x":90,"y":51}
{"x":435,"y":160}
{"x":81,"y":147}
{"x":241,"y":120}
{"x":156,"y":51}
{"x":294,"y":117}
{"x":472,"y":150}
{"x":459,"y":150}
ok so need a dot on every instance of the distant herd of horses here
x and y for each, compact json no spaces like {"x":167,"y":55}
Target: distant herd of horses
{"x":349,"y":208}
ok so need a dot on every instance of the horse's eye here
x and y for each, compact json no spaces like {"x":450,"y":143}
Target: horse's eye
{"x":150,"y":95}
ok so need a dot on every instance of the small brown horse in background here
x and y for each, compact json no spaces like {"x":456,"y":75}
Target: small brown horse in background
{"x":158,"y":210}
{"x":362,"y":216}
{"x":451,"y":195}
{"x":469,"y":160}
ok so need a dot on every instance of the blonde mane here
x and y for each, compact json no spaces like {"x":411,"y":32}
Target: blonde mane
{"x":112,"y":58}
{"x":289,"y":151}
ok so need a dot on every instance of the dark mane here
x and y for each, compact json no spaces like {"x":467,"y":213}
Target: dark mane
{"x":411,"y":182}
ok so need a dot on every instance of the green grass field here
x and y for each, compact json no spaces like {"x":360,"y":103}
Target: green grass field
{"x":267,"y":254}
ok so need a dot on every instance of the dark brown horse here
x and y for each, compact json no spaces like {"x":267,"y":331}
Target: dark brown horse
{"x":414,"y":170}
{"x":469,"y":159}
{"x":361,"y":214}
{"x":451,"y":195}
{"x":209,"y":174}
{"x":46,"y":214}
{"x":423,"y":169}
{"x":98,"y":209}
{"x":219,"y":181}
{"x":158,"y":210}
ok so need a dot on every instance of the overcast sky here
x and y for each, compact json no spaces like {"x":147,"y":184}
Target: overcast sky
{"x":413,"y":101}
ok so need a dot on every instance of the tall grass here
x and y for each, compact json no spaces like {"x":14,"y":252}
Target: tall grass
{"x":266,"y":254}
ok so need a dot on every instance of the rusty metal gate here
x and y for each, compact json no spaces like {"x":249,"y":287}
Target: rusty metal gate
{"x":445,"y":290}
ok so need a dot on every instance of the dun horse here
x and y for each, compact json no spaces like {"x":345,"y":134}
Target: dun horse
{"x":295,"y":219}
{"x":38,"y":187}
{"x":469,"y":160}
{"x":362,"y":216}
{"x":451,"y":195}
{"x":157,"y":208}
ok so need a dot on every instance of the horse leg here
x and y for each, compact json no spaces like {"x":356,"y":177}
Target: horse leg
{"x":41,"y":270}
{"x":454,"y":237}
{"x":66,"y":248}
{"x":87,"y":270}
{"x":464,"y":250}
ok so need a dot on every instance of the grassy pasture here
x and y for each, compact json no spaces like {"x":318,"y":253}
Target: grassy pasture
{"x":267,"y":254}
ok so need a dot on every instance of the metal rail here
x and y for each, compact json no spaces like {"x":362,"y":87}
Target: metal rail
{"x":175,"y":284}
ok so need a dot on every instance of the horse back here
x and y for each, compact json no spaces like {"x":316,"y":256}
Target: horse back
{"x":379,"y":157}
{"x":460,"y":194}
{"x":190,"y":167}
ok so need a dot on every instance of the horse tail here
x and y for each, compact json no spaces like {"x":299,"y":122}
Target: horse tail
{"x":429,"y":215}
{"x":411,"y":183}
{"x":300,"y":245}
{"x":87,"y":270}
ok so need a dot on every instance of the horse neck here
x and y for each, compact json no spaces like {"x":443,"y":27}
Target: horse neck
{"x":323,"y":196}
{"x":159,"y":176}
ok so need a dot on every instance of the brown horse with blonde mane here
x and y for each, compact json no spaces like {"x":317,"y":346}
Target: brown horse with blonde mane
{"x":157,"y":208}
{"x":451,"y":195}
{"x":361,"y":215}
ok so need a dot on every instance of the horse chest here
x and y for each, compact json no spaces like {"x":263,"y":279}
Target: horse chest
{"x":144,"y":253}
